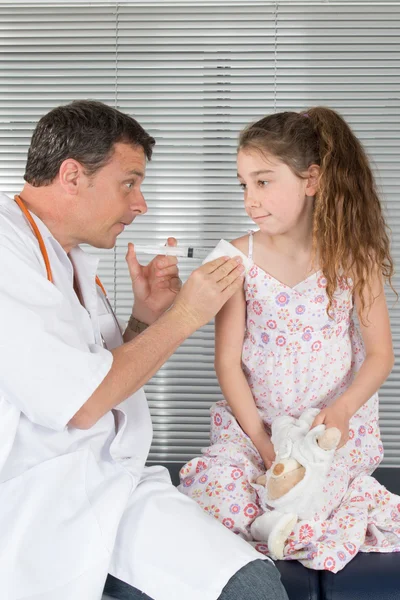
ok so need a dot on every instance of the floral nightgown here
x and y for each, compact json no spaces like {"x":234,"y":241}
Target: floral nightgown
{"x":295,"y":357}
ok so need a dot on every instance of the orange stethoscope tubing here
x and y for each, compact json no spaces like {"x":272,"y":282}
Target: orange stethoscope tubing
{"x":42,"y":246}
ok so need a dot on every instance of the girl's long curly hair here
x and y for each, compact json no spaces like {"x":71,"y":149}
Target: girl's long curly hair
{"x":350,"y":236}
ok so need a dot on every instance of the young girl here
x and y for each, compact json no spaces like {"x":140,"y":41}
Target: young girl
{"x":287,"y":342}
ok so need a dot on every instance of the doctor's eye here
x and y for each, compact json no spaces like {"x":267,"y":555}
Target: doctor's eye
{"x":130,"y":184}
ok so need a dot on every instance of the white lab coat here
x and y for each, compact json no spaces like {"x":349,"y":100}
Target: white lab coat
{"x":78,"y":504}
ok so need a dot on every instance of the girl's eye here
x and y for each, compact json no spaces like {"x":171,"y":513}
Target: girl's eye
{"x":243,"y":186}
{"x":262,"y":183}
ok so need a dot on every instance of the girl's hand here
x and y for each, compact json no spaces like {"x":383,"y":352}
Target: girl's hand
{"x":262,"y":442}
{"x":268,"y":456}
{"x":334,"y":416}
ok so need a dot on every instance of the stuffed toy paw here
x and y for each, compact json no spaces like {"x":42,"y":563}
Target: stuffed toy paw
{"x":293,"y":486}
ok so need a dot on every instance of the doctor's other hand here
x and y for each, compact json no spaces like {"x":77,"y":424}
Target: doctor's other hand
{"x":155,"y":285}
{"x":207,"y":289}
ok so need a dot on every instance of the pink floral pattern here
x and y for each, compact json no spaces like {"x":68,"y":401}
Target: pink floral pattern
{"x":294,"y":357}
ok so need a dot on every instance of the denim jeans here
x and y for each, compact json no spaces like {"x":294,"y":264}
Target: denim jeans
{"x":258,"y":580}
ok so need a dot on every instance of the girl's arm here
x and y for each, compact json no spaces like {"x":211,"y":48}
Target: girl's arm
{"x":229,"y":337}
{"x":378,"y":363}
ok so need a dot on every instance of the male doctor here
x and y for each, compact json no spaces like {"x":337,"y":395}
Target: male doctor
{"x":76,"y":500}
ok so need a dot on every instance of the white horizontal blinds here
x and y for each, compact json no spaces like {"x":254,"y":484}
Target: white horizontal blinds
{"x":50,"y":56}
{"x":348,"y":58}
{"x":193,"y":76}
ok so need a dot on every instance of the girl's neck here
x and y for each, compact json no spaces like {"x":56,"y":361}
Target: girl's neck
{"x":289,"y":247}
{"x":288,"y":259}
{"x":290,"y":244}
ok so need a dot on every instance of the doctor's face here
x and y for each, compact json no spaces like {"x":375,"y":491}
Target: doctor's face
{"x":112,"y":198}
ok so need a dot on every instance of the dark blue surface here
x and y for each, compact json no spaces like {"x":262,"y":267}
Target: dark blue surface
{"x":300,"y":583}
{"x":371,"y":576}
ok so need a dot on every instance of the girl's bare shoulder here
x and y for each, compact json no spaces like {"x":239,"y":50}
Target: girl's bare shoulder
{"x":242,"y":244}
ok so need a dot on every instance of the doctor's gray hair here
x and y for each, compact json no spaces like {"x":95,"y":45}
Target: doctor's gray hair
{"x":85,"y":130}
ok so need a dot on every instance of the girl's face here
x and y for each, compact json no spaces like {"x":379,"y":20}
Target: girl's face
{"x":274,"y":197}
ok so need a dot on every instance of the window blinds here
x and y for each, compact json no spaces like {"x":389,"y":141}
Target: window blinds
{"x":194,"y":74}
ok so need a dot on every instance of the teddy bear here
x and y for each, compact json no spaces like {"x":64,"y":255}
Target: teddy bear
{"x":292,"y":488}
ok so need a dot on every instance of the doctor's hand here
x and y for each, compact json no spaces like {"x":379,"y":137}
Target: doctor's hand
{"x":154,"y":286}
{"x":207,"y":289}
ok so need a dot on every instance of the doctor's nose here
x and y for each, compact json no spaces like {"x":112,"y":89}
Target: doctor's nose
{"x":139,"y":205}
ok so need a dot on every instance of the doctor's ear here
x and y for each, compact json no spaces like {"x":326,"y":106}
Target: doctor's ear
{"x":70,"y":173}
{"x":312,"y":180}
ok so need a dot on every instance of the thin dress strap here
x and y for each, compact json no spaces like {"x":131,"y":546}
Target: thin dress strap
{"x":250,"y":254}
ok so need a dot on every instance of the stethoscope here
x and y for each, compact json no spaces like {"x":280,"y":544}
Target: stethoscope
{"x":45,"y":256}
